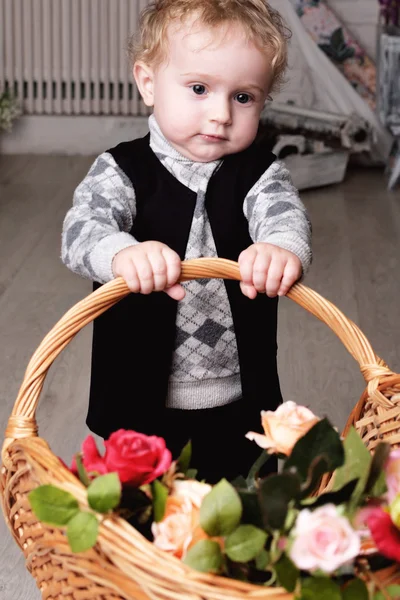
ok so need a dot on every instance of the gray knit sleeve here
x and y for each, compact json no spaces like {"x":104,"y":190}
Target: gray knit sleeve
{"x":276,"y":214}
{"x":97,"y":225}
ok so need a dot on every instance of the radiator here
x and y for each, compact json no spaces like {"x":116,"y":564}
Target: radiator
{"x":68,"y":57}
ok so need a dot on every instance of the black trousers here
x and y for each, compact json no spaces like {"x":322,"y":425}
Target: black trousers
{"x":219,"y":446}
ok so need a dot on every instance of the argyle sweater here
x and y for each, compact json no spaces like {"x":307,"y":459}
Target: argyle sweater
{"x":205,"y":366}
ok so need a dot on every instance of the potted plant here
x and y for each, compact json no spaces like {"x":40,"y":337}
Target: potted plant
{"x":9,"y":110}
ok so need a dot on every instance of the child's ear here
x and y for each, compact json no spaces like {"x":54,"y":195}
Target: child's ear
{"x":144,"y":76}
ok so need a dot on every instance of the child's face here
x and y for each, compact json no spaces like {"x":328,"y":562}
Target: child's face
{"x":209,"y":93}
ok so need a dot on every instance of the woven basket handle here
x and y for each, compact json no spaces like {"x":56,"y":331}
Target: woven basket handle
{"x":22,"y":422}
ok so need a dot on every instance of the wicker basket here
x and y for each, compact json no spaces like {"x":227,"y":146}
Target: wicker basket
{"x":123,"y":564}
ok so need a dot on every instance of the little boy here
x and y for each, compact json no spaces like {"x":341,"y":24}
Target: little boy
{"x":199,"y":360}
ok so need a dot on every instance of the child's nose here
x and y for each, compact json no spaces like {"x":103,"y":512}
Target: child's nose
{"x":221,"y":111}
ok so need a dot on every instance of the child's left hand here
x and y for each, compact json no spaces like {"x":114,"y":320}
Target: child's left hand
{"x":268,"y":269}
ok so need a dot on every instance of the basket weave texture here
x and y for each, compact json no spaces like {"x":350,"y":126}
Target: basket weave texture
{"x":123,"y":565}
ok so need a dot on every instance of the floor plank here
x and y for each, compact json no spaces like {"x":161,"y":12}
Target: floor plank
{"x":356,"y":227}
{"x":315,"y":368}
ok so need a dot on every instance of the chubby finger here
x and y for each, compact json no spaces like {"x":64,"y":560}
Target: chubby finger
{"x":173,"y":265}
{"x":145,"y":274}
{"x":159,"y":270}
{"x":291,"y":274}
{"x":176,"y":291}
{"x":248,"y":290}
{"x":260,"y":271}
{"x":274,"y":278}
{"x":131,"y":277}
{"x":246,"y":265}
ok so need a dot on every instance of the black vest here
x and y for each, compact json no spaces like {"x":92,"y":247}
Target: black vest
{"x":133,"y":342}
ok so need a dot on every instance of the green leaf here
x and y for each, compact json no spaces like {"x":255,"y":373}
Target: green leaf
{"x":318,"y":467}
{"x":328,"y":49}
{"x":251,"y":514}
{"x":53,"y":505}
{"x":337,"y":39}
{"x":82,"y":473}
{"x":275,"y":494}
{"x":221,"y":510}
{"x":82,"y":531}
{"x":322,"y":439}
{"x":160,"y":495}
{"x":379,"y":459}
{"x":191,"y":473}
{"x":347,"y":53}
{"x":104,"y":492}
{"x":339,"y":497}
{"x":355,"y":590}
{"x":205,"y":556}
{"x":239,"y":483}
{"x":357,"y":464}
{"x":245,"y":543}
{"x":262,"y":560}
{"x":255,"y":469}
{"x":380,"y":486}
{"x":316,"y":588}
{"x":185,"y":457}
{"x":287,"y":573}
{"x":392,"y":591}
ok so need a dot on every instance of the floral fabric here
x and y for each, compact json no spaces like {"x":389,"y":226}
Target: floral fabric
{"x":334,"y":39}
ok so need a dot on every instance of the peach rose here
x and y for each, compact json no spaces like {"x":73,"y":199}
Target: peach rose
{"x":283,"y":427}
{"x":180,"y":529}
{"x":192,"y":490}
{"x":323,"y":540}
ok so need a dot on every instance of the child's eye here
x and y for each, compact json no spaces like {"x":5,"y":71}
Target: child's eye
{"x":199,"y":89}
{"x":243,"y":98}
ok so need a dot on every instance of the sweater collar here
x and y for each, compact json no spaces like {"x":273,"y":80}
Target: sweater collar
{"x":192,"y":174}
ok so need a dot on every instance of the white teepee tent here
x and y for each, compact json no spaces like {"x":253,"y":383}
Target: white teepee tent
{"x":314,"y":82}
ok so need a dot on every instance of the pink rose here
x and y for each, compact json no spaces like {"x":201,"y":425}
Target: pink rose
{"x":137,"y":458}
{"x":323,"y":540}
{"x":283,"y":427}
{"x":392,"y":471}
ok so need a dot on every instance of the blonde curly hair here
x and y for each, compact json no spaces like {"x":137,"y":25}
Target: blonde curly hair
{"x":263,"y":25}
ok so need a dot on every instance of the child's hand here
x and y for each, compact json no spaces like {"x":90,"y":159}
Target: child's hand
{"x":268,"y":269}
{"x":150,"y":267}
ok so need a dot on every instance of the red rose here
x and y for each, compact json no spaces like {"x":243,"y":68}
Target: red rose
{"x":385,"y":533}
{"x":137,"y":458}
{"x":91,"y":459}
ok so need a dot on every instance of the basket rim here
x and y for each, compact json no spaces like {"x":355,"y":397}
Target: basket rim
{"x":22,"y":422}
{"x":114,"y":530}
{"x":355,"y":414}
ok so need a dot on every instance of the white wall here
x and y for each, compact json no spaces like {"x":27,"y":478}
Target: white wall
{"x":361,"y":18}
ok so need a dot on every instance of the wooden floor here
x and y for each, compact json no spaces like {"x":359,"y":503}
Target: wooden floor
{"x":357,"y":266}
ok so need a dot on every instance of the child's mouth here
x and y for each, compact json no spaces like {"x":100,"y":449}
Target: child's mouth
{"x":212,"y":138}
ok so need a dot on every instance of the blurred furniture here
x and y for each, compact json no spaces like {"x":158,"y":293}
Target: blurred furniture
{"x":388,"y":92}
{"x":315,"y":145}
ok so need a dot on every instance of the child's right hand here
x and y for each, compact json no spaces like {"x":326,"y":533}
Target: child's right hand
{"x":150,"y":267}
